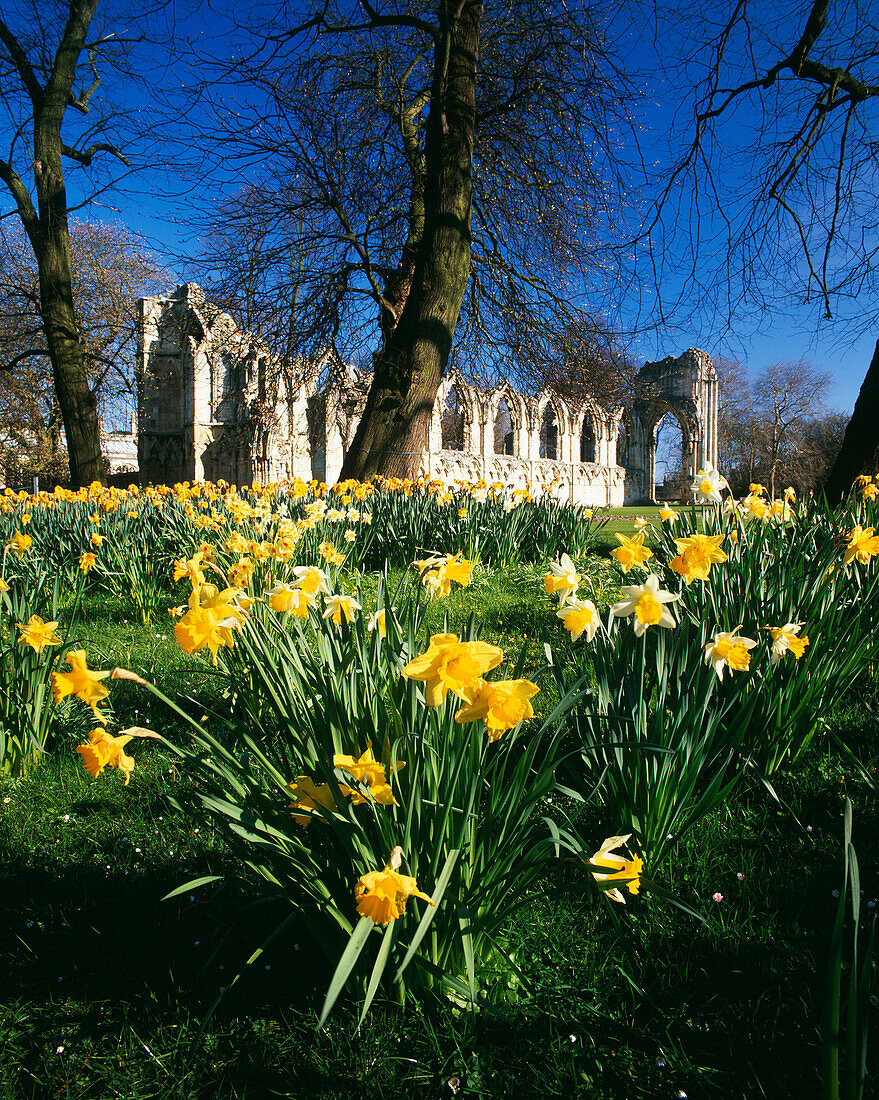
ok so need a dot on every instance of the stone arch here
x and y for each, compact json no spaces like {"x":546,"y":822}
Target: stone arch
{"x":551,"y":423}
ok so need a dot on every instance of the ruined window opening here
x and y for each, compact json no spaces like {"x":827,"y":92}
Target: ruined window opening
{"x":587,"y":441}
{"x":622,"y":444}
{"x":549,"y":434}
{"x":503,"y":430}
{"x":452,"y":422}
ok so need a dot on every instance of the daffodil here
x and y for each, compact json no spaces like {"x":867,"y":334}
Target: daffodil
{"x":579,"y":616}
{"x":502,"y":704}
{"x":210,"y":620}
{"x":451,"y":665}
{"x":370,"y":772}
{"x":631,"y":551}
{"x":339,"y":607}
{"x":377,"y":621}
{"x":619,"y":868}
{"x":647,"y":603}
{"x":382,"y":895}
{"x":81,"y":682}
{"x":562,"y":579}
{"x":728,"y":650}
{"x":668,"y":515}
{"x":87,"y":561}
{"x":697,"y":554}
{"x":37,"y":634}
{"x":105,"y":751}
{"x":284,"y":598}
{"x":19,"y":544}
{"x":307,"y":796}
{"x":311,"y":579}
{"x":707,"y":486}
{"x":785,"y":640}
{"x":863,"y":544}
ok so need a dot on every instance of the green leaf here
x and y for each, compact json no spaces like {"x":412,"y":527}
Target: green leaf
{"x":377,"y":970}
{"x":346,"y":964}
{"x":427,"y":917}
{"x":192,"y":885}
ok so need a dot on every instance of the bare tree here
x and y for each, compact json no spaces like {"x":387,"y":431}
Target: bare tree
{"x":780,"y":160}
{"x":447,"y":160}
{"x":54,"y":114}
{"x":110,"y":270}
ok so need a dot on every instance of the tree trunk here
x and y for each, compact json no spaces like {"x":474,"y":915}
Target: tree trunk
{"x":393,"y":430}
{"x":860,"y":445}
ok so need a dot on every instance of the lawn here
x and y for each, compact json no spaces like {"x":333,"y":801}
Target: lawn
{"x":111,"y":990}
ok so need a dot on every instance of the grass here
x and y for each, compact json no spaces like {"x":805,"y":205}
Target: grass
{"x":106,"y":990}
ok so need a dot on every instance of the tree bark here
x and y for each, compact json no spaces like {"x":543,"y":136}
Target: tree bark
{"x":393,"y":430}
{"x":860,"y":445}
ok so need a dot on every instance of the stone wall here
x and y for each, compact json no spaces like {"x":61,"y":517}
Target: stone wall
{"x":215,"y":404}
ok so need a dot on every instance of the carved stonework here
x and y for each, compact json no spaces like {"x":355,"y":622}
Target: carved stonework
{"x":215,"y":404}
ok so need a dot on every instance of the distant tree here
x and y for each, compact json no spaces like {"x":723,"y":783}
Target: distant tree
{"x":775,"y":429}
{"x":110,"y":270}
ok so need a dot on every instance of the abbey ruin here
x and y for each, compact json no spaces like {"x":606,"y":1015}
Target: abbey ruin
{"x":214,"y":404}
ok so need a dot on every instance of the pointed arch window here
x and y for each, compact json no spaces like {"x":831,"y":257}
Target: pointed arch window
{"x":452,"y":422}
{"x":587,"y":441}
{"x":503,"y":430}
{"x":549,"y":434}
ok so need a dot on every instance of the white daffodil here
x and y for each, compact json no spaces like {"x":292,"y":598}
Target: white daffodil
{"x":647,"y":603}
{"x":337,"y":606}
{"x":727,"y":650}
{"x":707,"y":486}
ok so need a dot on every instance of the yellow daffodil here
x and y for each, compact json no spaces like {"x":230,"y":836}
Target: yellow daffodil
{"x":870,"y":491}
{"x":647,"y":603}
{"x":697,"y":554}
{"x":330,"y":554}
{"x":87,"y":561}
{"x":790,"y":495}
{"x":502,"y":704}
{"x":631,"y":551}
{"x":619,"y":867}
{"x":96,"y":539}
{"x":562,"y":579}
{"x":284,"y":598}
{"x":726,"y":650}
{"x":370,"y":772}
{"x":451,"y":665}
{"x":756,"y":489}
{"x":668,"y":515}
{"x":19,"y":544}
{"x":641,"y":523}
{"x":785,"y":640}
{"x":579,"y":616}
{"x":37,"y":634}
{"x":105,"y":751}
{"x":382,"y":895}
{"x":307,"y":796}
{"x":4,"y":586}
{"x":81,"y":682}
{"x":210,"y":620}
{"x":240,"y":573}
{"x":753,"y":507}
{"x":863,"y":544}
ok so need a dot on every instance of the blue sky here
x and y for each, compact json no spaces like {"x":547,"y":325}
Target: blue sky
{"x":789,"y":333}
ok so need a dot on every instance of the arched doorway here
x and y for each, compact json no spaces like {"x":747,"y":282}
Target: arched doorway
{"x":671,"y":475}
